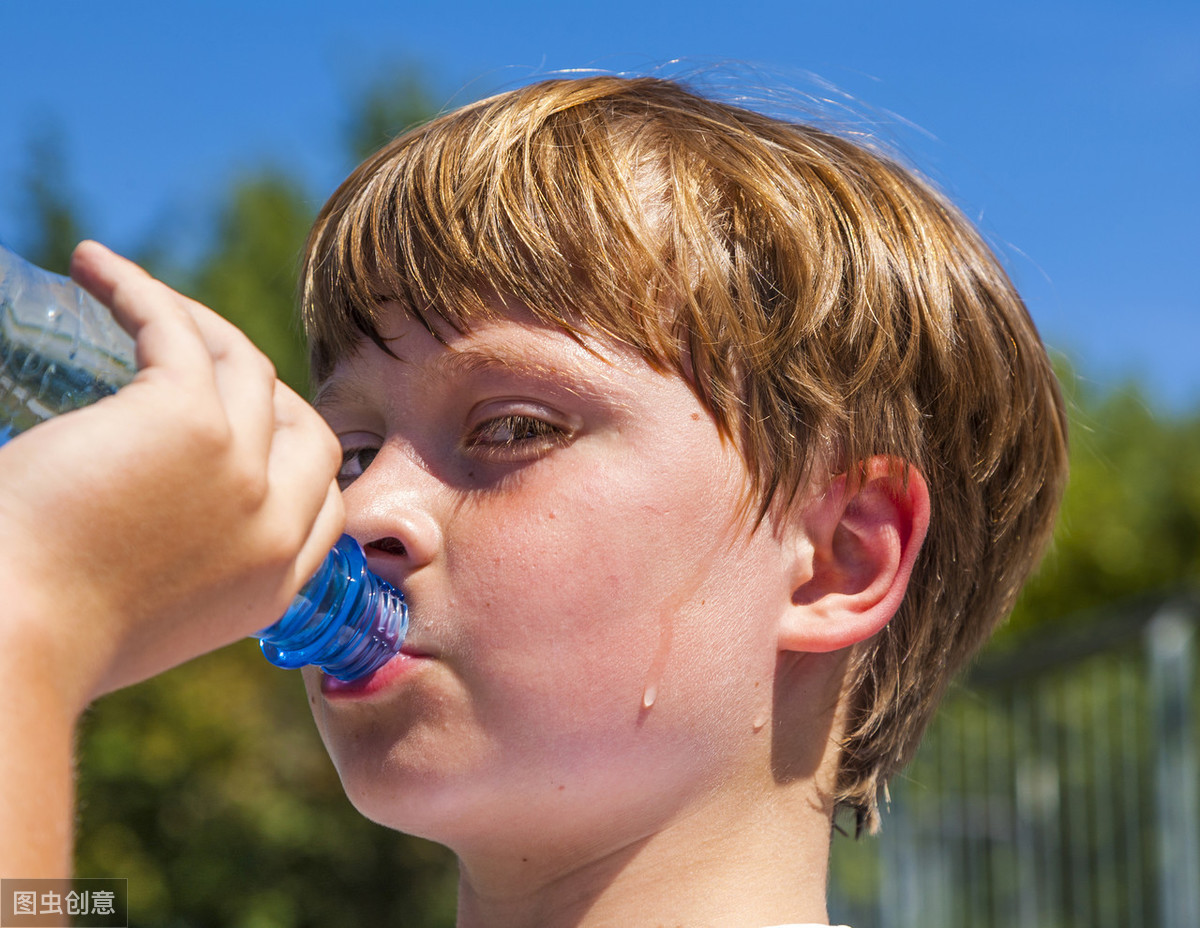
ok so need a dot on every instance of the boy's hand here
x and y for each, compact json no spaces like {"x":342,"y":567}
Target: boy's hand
{"x":175,"y":517}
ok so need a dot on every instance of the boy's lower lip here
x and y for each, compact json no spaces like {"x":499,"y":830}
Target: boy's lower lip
{"x":398,"y":666}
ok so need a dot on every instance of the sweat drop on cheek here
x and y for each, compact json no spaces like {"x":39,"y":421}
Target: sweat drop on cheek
{"x":60,"y":350}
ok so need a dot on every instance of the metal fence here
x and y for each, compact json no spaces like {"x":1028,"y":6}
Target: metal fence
{"x":1054,"y":790}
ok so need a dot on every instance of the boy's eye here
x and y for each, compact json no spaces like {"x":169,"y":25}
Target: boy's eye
{"x":515,"y":436}
{"x":354,"y":462}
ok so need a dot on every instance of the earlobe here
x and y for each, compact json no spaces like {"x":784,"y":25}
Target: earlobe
{"x":862,"y":537}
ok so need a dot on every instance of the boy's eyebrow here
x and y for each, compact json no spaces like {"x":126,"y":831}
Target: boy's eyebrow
{"x":527,"y":363}
{"x":468,"y":360}
{"x":337,"y":392}
{"x":474,"y":360}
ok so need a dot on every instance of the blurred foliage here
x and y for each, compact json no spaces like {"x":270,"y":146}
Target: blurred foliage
{"x":48,"y":199}
{"x":250,"y":273}
{"x":209,"y":790}
{"x":395,"y":103}
{"x":1130,"y":521}
{"x":208,"y":787}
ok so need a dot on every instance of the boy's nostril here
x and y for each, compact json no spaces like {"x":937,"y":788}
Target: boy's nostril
{"x":389,"y":545}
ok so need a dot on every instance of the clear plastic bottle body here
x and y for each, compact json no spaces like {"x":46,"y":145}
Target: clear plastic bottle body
{"x":61,"y":350}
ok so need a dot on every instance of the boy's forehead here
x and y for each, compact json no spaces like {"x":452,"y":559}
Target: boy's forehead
{"x":516,"y":344}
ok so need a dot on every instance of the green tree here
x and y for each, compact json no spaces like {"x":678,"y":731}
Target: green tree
{"x":249,"y":275}
{"x":208,"y":789}
{"x":1130,"y":522}
{"x":398,"y":101}
{"x":47,"y":201}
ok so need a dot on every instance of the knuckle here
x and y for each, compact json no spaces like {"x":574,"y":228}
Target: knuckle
{"x":267,"y":367}
{"x":282,"y":541}
{"x":132,"y":284}
{"x":331,"y":451}
{"x":212,"y":433}
{"x":139,"y":289}
{"x":256,"y":364}
{"x":251,"y":488}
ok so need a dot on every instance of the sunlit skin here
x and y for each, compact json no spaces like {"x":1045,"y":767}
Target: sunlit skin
{"x":596,"y":620}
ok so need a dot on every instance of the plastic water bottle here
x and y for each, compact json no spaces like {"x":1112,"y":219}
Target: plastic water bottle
{"x":60,"y":350}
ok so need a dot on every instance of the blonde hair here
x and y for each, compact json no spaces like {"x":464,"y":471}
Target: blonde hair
{"x":825,"y":303}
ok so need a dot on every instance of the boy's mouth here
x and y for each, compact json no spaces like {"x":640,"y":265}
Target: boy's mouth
{"x":406,"y":661}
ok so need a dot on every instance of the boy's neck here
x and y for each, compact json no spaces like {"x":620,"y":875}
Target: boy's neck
{"x":729,"y":863}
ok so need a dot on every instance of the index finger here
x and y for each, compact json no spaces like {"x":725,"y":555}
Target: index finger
{"x":155,"y":315}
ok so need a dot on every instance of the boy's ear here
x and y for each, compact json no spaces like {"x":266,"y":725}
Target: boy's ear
{"x":854,"y":551}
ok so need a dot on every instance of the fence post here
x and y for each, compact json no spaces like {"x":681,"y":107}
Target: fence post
{"x":1171,"y":637}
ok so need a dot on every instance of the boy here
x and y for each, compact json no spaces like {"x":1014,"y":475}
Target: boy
{"x":706,"y":448}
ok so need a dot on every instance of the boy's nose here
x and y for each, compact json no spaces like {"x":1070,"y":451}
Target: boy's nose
{"x":391,"y":512}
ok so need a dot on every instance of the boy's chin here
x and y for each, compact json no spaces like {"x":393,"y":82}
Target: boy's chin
{"x":484,"y":805}
{"x":398,"y":796}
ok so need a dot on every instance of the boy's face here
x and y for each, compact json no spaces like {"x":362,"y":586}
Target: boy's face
{"x":593,"y":617}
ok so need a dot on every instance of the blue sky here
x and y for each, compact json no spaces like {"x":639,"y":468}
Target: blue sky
{"x":1069,"y":131}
